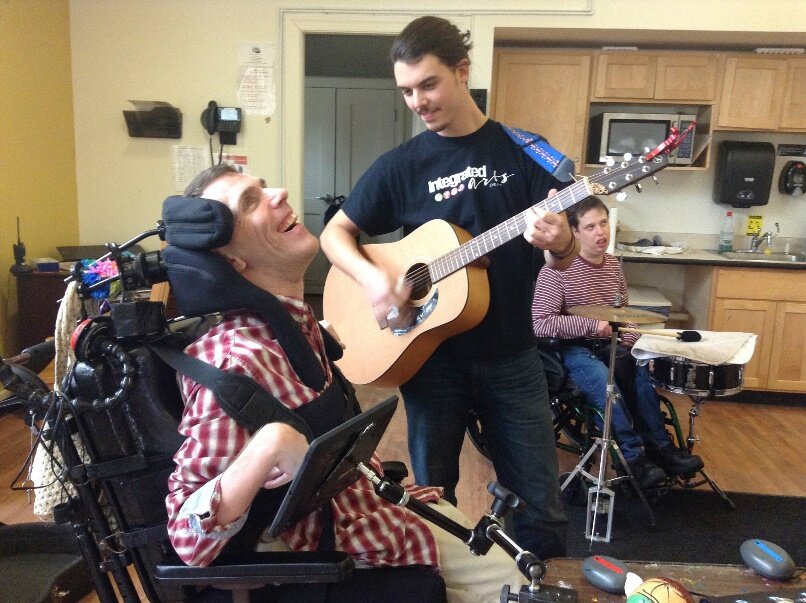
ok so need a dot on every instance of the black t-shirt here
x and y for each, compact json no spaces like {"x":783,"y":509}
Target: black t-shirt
{"x":476,"y":182}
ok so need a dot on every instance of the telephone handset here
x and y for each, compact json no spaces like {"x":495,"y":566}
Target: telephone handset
{"x":224,"y":120}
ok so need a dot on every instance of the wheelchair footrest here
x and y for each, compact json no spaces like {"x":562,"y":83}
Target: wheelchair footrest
{"x":263,"y":568}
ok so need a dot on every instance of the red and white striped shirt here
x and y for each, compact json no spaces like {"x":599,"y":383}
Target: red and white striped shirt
{"x":581,"y":284}
{"x":371,"y":530}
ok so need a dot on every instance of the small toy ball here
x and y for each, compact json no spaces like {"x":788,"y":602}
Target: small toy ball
{"x":660,"y":590}
{"x":631,"y":583}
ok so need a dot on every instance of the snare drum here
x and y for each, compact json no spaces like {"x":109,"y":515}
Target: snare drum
{"x":684,"y":376}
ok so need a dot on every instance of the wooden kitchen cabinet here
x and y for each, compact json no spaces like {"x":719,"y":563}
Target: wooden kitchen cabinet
{"x":686,"y":77}
{"x":772,"y":304}
{"x":624,"y":75}
{"x":751,"y":93}
{"x":544,"y":92}
{"x":642,"y":77}
{"x":793,"y":111}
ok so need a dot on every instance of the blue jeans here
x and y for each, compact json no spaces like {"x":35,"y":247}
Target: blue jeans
{"x":633,"y":428}
{"x":509,"y":396}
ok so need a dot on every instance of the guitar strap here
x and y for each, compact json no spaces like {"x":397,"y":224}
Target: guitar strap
{"x":546,"y":156}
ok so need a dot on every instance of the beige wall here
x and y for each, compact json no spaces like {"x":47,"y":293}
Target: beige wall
{"x":38,"y":158}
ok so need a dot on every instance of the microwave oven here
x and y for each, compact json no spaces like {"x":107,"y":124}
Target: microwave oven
{"x":614,"y":134}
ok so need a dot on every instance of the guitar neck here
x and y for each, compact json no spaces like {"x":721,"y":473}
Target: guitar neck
{"x":468,"y":252}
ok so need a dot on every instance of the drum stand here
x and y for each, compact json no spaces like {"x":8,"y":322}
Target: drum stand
{"x":600,"y":496}
{"x":693,"y":413}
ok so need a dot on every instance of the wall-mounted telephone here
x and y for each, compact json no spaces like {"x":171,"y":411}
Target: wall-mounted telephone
{"x":224,"y":120}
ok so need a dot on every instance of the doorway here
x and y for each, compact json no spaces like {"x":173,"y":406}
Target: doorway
{"x":351,"y":117}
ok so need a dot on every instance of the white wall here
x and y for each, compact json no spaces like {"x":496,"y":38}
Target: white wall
{"x":184,"y":52}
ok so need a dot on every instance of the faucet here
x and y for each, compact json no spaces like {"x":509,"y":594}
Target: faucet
{"x":767,"y":237}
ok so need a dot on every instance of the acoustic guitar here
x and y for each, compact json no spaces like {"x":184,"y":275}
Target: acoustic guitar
{"x":449,"y":295}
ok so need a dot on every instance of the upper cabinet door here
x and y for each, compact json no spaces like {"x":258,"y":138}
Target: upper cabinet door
{"x":622,"y":75}
{"x":546,"y":93}
{"x":751,"y":93}
{"x":793,"y":113}
{"x":686,"y":77}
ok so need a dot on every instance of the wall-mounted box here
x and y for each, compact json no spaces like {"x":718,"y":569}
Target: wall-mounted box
{"x":154,"y":119}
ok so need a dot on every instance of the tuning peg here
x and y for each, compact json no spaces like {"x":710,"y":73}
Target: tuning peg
{"x":621,"y":196}
{"x":638,"y":186}
{"x":627,"y":156}
{"x":610,"y":162}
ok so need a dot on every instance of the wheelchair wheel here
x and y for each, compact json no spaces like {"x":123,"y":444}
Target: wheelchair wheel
{"x":573,"y":418}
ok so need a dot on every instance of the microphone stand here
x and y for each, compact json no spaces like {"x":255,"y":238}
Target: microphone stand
{"x":488,"y":531}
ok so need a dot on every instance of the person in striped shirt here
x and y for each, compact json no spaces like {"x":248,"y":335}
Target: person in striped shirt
{"x":596,"y":277}
{"x":224,"y":476}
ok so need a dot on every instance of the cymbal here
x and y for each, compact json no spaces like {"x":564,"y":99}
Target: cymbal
{"x":612,"y":314}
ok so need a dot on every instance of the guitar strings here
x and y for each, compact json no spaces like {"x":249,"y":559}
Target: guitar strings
{"x":422,"y":276}
{"x":453,"y":261}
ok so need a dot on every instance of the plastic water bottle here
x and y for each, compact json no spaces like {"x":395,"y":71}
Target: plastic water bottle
{"x":726,"y":234}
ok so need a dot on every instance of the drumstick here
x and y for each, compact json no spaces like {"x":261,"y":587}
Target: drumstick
{"x":687,"y":336}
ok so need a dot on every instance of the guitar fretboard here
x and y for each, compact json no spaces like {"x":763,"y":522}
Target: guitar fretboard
{"x":515,"y":226}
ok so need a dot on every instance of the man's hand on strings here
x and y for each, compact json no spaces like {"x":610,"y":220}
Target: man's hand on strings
{"x":389,"y":298}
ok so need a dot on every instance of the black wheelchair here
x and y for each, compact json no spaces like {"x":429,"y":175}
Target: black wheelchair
{"x":120,"y":404}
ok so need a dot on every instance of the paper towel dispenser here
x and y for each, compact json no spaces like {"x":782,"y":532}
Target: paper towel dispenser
{"x":744,"y":173}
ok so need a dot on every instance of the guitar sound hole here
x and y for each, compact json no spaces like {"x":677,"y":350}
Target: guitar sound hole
{"x":419,"y":279}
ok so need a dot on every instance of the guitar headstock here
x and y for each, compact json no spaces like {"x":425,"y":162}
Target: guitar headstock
{"x":631,"y":170}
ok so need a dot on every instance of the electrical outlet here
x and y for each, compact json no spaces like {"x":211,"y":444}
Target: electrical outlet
{"x":754,"y":225}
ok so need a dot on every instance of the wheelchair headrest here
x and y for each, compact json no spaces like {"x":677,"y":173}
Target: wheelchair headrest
{"x":196,"y":223}
{"x":203,"y":283}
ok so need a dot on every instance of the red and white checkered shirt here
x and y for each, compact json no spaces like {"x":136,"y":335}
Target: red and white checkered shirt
{"x":371,"y":530}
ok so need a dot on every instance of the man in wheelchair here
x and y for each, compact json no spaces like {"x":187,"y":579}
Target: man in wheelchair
{"x":596,"y":277}
{"x":223,"y":491}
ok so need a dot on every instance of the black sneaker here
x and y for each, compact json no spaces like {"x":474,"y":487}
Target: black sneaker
{"x":646,"y":473}
{"x":675,"y":461}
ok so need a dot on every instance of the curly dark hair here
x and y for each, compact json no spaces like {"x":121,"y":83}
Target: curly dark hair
{"x":431,"y":35}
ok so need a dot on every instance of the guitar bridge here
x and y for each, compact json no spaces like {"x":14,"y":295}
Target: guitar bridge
{"x":422,"y":313}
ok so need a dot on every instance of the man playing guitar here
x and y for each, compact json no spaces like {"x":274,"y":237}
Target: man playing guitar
{"x":466,"y":170}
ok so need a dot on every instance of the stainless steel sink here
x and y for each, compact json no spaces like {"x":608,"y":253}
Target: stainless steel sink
{"x":760,"y":256}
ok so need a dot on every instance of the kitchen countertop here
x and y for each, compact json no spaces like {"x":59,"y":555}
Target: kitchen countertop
{"x":704,"y":257}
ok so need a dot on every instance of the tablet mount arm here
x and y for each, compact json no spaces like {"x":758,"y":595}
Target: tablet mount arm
{"x":480,"y":539}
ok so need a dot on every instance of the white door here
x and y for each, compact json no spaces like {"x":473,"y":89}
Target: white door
{"x":346,"y":129}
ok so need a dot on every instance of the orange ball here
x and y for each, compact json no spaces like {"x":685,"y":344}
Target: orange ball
{"x":660,"y":590}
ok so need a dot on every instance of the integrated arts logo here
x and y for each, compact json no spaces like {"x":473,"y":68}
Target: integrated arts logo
{"x":470,"y":178}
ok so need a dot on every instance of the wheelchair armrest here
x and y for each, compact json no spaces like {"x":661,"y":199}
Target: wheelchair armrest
{"x":550,"y":351}
{"x":553,"y":344}
{"x":258,"y":569}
